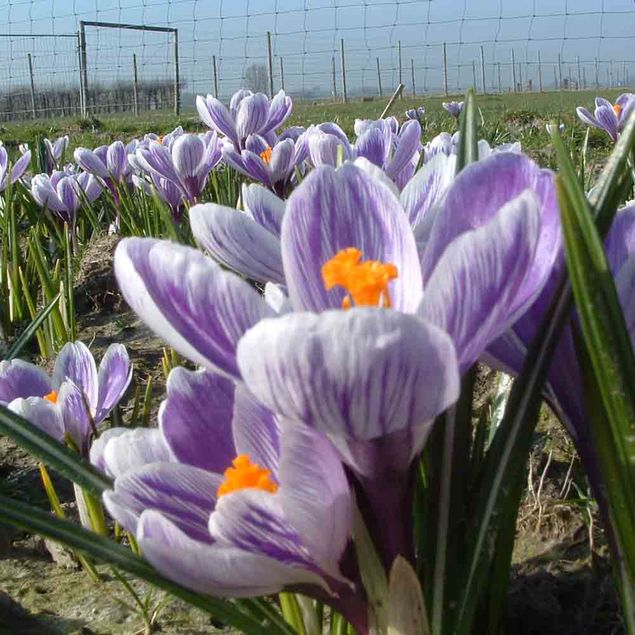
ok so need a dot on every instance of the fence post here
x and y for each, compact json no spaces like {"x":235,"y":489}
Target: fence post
{"x":577,"y":60}
{"x":474,"y":75}
{"x":500,"y":84}
{"x":381,"y":92}
{"x":215,"y":69}
{"x":520,"y":76}
{"x":135,"y":84}
{"x":540,"y":73}
{"x":281,"y":73}
{"x":343,"y":62}
{"x":560,"y":71}
{"x":177,"y":83}
{"x":515,"y":88}
{"x":82,"y":68}
{"x":483,"y":70}
{"x":28,"y":55}
{"x":334,"y":77}
{"x":412,"y":73}
{"x":270,"y":64}
{"x":612,"y":80}
{"x":445,"y":70}
{"x":400,"y":66}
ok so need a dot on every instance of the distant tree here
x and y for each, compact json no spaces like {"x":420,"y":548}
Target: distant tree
{"x":257,"y":78}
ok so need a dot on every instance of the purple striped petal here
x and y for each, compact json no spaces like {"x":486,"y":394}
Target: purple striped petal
{"x":279,"y":111}
{"x":408,"y":144}
{"x":375,"y":145}
{"x":264,"y":206}
{"x":255,"y":429}
{"x":19,"y":379}
{"x":214,"y":115}
{"x":90,"y":161}
{"x":219,"y":570}
{"x":607,"y":120}
{"x":251,"y":115}
{"x":238,"y":242}
{"x":196,"y":417}
{"x":41,"y":413}
{"x":361,"y":373}
{"x":76,"y":415}
{"x":184,"y":494}
{"x":471,"y":293}
{"x":333,"y":210}
{"x":20,"y":166}
{"x":187,"y":154}
{"x":116,"y":159}
{"x":282,"y":161}
{"x":113,"y":379}
{"x":77,"y":364}
{"x":620,"y":242}
{"x":197,"y":308}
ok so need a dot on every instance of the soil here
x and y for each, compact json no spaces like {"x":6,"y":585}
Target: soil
{"x":561,"y":582}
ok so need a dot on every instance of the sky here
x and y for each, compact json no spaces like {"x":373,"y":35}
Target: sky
{"x":307,"y":34}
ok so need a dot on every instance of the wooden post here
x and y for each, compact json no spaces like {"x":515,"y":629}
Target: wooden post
{"x":281,"y":73}
{"x":412,"y":73}
{"x":135,"y":85}
{"x":28,"y":55}
{"x":400,"y":66}
{"x":392,"y":100}
{"x":483,"y":70}
{"x":177,"y":83}
{"x":514,"y":88}
{"x":445,"y":70}
{"x":343,"y":64}
{"x":500,"y":84}
{"x":559,"y":71}
{"x":540,"y":73}
{"x":82,"y":68}
{"x":474,"y":75}
{"x":597,"y":73}
{"x":334,"y":76}
{"x":215,"y":69}
{"x":270,"y":64}
{"x":381,"y":92}
{"x":520,"y":76}
{"x":577,"y":59}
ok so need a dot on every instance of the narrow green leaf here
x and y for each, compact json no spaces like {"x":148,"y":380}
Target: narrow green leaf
{"x":468,"y":138}
{"x":57,"y":456}
{"x":37,"y":521}
{"x":31,"y":330}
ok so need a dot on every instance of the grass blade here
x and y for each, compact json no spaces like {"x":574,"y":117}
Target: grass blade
{"x":31,"y":330}
{"x":468,"y":139}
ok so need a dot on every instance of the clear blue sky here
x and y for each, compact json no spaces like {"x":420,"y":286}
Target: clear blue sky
{"x":307,"y":35}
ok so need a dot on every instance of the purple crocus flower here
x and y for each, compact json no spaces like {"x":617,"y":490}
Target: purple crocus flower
{"x":324,"y":144}
{"x":382,"y":375}
{"x":187,"y":162}
{"x":416,"y":114}
{"x":448,"y":144}
{"x":271,"y":165}
{"x":167,"y":191}
{"x":75,"y":399}
{"x":249,"y":113}
{"x":455,"y":108}
{"x":61,"y":192}
{"x":230,"y":500}
{"x":107,"y":163}
{"x":607,"y":116}
{"x":54,"y":152}
{"x":17,"y":171}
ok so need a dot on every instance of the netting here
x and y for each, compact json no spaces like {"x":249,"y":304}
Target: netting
{"x":496,"y":45}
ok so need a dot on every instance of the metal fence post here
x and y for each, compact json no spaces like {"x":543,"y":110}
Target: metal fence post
{"x":334,"y":73}
{"x":474,"y":75}
{"x":215,"y":69}
{"x":381,"y":92}
{"x":445,"y":70}
{"x":135,"y":84}
{"x":343,"y":63}
{"x":577,"y":59}
{"x":177,"y":83}
{"x":82,"y":68}
{"x":514,"y":87}
{"x":28,"y":55}
{"x":483,"y":70}
{"x":560,"y":71}
{"x":270,"y":64}
{"x":500,"y":83}
{"x":412,"y":73}
{"x":540,"y":73}
{"x":281,"y":73}
{"x":520,"y":76}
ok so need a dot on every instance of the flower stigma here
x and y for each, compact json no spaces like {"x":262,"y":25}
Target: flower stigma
{"x":618,"y":109}
{"x":244,"y":474}
{"x":52,"y":396}
{"x":265,"y":155}
{"x":366,"y":282}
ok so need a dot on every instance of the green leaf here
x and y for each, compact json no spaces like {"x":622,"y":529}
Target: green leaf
{"x":37,"y":521}
{"x":611,"y":359}
{"x":54,"y":454}
{"x":31,"y":330}
{"x":468,"y":138}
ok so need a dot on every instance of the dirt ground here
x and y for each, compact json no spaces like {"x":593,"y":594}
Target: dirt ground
{"x":561,"y":581}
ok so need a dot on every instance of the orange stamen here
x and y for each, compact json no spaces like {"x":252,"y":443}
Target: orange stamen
{"x":366,"y":282}
{"x":265,"y":155}
{"x":52,"y":396}
{"x":618,"y":109}
{"x":244,"y":474}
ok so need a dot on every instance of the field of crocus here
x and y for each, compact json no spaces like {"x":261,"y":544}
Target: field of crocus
{"x":291,"y":368}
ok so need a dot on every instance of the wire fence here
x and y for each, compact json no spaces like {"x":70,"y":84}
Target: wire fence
{"x":72,"y":57}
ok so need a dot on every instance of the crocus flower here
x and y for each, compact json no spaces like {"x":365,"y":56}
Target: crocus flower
{"x":607,"y":116}
{"x":54,"y":151}
{"x":377,"y":329}
{"x":230,"y":500}
{"x":76,"y":398}
{"x":249,"y":113}
{"x":455,"y":108}
{"x":17,"y":170}
{"x":416,"y":113}
{"x":271,"y":165}
{"x":187,"y":162}
{"x":448,"y":144}
{"x":167,"y":191}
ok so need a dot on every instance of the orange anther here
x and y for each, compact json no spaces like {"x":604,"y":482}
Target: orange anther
{"x":244,"y":474}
